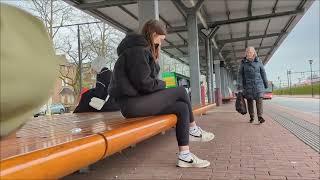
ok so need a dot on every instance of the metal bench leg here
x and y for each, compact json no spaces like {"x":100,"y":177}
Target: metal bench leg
{"x":84,"y":170}
{"x":133,"y":145}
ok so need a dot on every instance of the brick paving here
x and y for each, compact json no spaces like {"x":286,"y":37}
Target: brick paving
{"x":240,"y":151}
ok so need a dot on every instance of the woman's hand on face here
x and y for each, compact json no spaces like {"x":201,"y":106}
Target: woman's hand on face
{"x":158,"y":38}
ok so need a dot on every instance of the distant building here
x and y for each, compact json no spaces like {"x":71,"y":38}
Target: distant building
{"x":63,"y":91}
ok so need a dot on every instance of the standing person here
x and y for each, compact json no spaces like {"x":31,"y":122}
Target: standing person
{"x":252,"y":80}
{"x":139,"y":92}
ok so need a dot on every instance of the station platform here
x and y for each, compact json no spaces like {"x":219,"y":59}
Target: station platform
{"x":240,"y":150}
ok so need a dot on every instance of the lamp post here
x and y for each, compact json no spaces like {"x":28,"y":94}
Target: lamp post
{"x":279,"y":84}
{"x":310,"y":62}
{"x":289,"y":81}
{"x":80,"y":59}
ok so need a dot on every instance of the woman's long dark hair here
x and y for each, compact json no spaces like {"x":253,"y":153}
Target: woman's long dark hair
{"x":150,"y":27}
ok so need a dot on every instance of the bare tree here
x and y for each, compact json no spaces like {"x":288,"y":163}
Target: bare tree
{"x":102,"y":40}
{"x":52,"y":13}
{"x":97,"y":39}
{"x":70,"y":73}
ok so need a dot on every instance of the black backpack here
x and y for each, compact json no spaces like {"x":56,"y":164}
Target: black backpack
{"x":100,"y":91}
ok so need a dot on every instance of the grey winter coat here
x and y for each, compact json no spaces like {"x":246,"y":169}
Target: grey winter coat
{"x":252,"y":79}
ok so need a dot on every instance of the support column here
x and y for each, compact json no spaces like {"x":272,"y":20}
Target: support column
{"x":226,"y":94}
{"x":193,"y":48}
{"x":231,"y":81}
{"x":209,"y":70}
{"x":228,"y":82}
{"x":223,"y":81}
{"x":211,"y":67}
{"x":218,"y":98}
{"x":147,"y":10}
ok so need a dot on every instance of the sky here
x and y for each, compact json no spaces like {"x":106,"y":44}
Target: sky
{"x":295,"y":51}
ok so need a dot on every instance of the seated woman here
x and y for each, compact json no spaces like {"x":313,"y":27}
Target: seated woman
{"x":139,"y":92}
{"x":100,"y":91}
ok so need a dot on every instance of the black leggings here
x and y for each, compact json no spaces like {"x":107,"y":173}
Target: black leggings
{"x":168,"y":101}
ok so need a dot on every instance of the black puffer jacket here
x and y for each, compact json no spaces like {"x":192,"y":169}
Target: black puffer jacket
{"x":135,"y":72}
{"x":100,"y":91}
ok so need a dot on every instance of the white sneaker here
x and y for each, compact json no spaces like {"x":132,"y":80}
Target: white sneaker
{"x":203,"y":137}
{"x":194,"y":162}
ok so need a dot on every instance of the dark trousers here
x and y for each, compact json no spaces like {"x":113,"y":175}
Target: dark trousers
{"x":168,"y":101}
{"x":259,"y":106}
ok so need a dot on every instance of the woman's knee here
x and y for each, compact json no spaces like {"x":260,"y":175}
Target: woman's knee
{"x":182,"y":108}
{"x":182,"y":92}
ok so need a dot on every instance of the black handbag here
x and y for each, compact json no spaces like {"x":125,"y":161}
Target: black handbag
{"x":241,"y":106}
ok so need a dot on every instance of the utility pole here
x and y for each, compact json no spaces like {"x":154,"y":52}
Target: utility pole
{"x":279,"y":84}
{"x":80,"y":60}
{"x":289,"y":81}
{"x":310,"y":62}
{"x":79,"y":46}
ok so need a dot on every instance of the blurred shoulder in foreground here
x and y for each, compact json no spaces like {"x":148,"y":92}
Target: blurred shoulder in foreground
{"x":28,"y":66}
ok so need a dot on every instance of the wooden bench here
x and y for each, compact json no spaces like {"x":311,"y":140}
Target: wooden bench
{"x":55,"y":146}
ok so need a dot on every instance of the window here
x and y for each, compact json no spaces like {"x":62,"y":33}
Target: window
{"x":62,"y":99}
{"x":72,"y":99}
{"x":69,"y":99}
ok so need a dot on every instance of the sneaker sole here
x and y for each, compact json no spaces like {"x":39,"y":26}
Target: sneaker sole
{"x":188,"y":165}
{"x":195,"y":139}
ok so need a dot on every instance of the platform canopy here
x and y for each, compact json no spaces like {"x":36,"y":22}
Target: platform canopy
{"x":233,"y":24}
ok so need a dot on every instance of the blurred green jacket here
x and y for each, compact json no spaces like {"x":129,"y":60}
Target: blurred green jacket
{"x":28,"y":67}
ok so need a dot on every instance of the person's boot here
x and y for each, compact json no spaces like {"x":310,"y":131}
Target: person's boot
{"x":261,"y":120}
{"x":251,"y":119}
